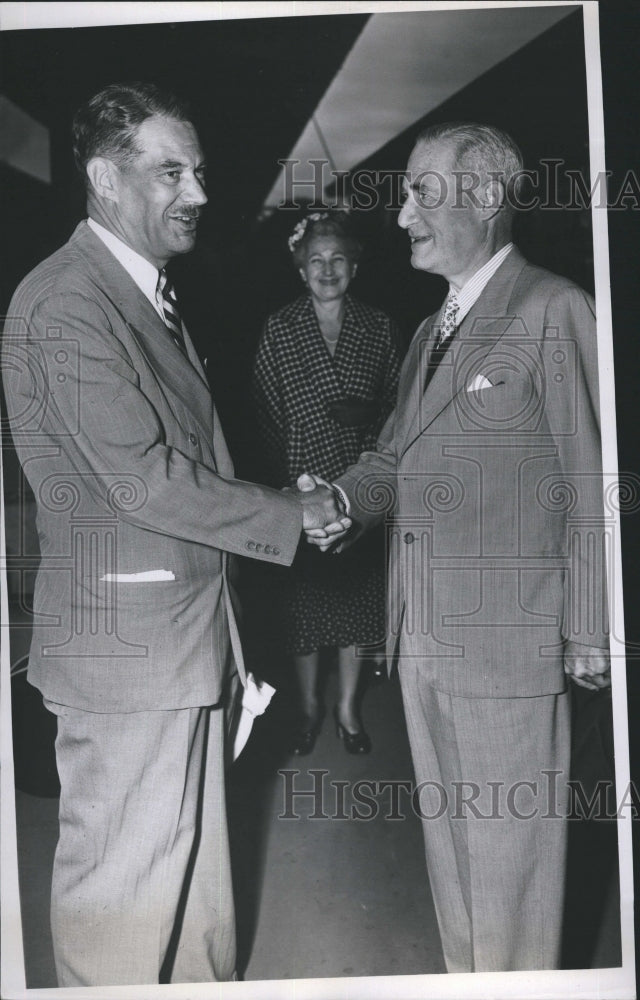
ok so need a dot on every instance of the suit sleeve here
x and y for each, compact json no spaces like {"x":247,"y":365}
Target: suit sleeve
{"x":572,"y":409}
{"x":107,"y":425}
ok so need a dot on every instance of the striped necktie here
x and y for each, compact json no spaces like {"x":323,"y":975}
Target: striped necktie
{"x":167,"y":299}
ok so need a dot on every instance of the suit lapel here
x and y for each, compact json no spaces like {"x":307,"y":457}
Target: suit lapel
{"x":483,"y":326}
{"x":182,"y":376}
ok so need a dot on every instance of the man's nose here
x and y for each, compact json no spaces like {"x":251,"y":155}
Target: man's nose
{"x":193,"y":190}
{"x":406,"y":213}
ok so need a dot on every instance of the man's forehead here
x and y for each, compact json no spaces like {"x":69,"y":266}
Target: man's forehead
{"x":437,"y":155}
{"x":168,"y":138}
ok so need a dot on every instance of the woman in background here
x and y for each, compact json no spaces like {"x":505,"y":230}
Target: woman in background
{"x":325,"y":380}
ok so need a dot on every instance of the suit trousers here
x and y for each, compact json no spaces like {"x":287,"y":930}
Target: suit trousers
{"x":492,"y":795}
{"x":141,"y":889}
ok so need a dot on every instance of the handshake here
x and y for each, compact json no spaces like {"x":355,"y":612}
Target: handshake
{"x":324,"y":521}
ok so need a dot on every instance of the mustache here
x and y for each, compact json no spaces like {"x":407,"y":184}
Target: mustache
{"x":189,"y":212}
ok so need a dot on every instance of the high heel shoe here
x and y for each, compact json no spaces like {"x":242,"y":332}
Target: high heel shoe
{"x":304,"y":738}
{"x":353,"y":742}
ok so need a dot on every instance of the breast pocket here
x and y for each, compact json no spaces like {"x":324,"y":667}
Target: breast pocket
{"x":512,"y":407}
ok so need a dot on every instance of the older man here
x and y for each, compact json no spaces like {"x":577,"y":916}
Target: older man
{"x":139,"y":517}
{"x":491,"y":467}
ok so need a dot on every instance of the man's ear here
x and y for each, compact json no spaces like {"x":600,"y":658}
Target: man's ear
{"x":102,"y":174}
{"x":493,"y":198}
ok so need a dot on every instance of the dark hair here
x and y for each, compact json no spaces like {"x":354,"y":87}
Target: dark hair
{"x":483,"y":148}
{"x":336,"y":223}
{"x":108,"y":123}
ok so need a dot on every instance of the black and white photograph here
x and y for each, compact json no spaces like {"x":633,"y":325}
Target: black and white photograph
{"x":319,"y":500}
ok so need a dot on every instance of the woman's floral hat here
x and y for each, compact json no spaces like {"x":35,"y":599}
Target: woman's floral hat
{"x":301,"y":227}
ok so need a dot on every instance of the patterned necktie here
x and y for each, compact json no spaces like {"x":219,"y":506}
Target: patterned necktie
{"x":449,"y":318}
{"x":167,"y":299}
{"x":443,"y":338}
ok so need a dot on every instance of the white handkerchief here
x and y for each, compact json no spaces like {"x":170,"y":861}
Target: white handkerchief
{"x":479,"y":382}
{"x":148,"y":576}
{"x":254,"y":702}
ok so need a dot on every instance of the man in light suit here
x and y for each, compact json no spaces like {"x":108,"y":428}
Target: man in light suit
{"x":135,"y":638}
{"x":490,"y":470}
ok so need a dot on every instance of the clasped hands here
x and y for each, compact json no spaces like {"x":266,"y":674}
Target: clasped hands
{"x":324,"y":521}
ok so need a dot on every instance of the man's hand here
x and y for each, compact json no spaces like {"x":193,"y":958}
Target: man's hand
{"x":588,"y":666}
{"x":323,"y":520}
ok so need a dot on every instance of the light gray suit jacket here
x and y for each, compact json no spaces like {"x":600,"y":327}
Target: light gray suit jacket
{"x":491,"y":481}
{"x":122,"y":446}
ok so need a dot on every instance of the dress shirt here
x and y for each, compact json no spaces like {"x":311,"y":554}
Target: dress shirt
{"x":468,"y":295}
{"x":139,"y":268}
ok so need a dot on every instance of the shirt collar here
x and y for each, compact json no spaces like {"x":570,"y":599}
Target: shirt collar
{"x":473,"y":288}
{"x":141,"y":270}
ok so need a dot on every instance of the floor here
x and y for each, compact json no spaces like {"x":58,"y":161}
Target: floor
{"x":331,"y":885}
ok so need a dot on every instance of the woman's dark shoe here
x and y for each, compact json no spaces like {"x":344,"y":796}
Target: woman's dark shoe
{"x":353,"y":742}
{"x":305,"y":736}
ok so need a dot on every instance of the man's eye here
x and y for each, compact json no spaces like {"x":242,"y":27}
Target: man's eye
{"x":173,"y":174}
{"x":427,"y":197}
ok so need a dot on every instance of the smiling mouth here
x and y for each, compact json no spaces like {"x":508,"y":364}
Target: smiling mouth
{"x":190,"y":221}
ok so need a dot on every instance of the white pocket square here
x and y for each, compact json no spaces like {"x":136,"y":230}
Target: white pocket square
{"x":479,"y":382}
{"x":148,"y":576}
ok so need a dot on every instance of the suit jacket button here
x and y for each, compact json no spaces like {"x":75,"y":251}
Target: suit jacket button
{"x":193,"y":438}
{"x":409,"y":537}
{"x":276,"y":550}
{"x":267,"y":550}
{"x":258,"y":546}
{"x":251,"y":546}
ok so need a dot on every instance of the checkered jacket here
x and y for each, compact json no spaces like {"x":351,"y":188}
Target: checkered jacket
{"x":296,"y":380}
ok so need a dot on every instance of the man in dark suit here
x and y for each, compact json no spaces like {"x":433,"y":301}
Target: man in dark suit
{"x":135,"y":638}
{"x":490,"y":468}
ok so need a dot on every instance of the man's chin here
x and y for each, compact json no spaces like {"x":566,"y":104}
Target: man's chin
{"x":419,"y":262}
{"x":184,"y":245}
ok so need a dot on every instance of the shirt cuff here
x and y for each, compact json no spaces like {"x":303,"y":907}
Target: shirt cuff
{"x":344,"y":499}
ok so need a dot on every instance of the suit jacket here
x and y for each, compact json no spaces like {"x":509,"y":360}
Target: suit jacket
{"x":122,"y":446}
{"x":491,"y":480}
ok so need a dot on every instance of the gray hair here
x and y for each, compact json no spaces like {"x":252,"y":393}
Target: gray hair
{"x":481,"y":148}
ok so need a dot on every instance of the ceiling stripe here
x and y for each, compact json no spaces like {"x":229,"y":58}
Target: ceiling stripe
{"x":401,"y":67}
